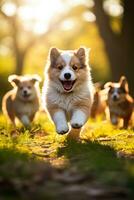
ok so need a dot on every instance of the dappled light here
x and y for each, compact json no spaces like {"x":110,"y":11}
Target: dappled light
{"x":41,"y":22}
{"x":67,"y":99}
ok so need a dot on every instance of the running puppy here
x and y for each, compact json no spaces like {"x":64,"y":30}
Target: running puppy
{"x":23,"y":100}
{"x":99,"y":104}
{"x":120,"y":103}
{"x":68,"y":89}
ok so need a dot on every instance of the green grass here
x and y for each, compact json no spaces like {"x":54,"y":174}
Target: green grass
{"x":39,"y":164}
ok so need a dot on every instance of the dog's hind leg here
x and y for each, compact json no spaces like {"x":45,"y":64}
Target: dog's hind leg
{"x":126,"y":122}
{"x":74,"y":134}
{"x":7,"y":108}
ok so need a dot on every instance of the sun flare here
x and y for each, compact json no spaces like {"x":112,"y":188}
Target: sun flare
{"x":40,"y":13}
{"x":36,"y":14}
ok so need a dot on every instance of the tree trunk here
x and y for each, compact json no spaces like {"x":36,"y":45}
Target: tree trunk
{"x":19,"y":63}
{"x":119,"y":48}
{"x":128,"y":41}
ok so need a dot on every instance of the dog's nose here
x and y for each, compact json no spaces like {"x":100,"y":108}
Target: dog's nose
{"x":115,"y":98}
{"x":25,"y":91}
{"x":67,"y":76}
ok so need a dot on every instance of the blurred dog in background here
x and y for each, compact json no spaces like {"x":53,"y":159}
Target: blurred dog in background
{"x":120,"y":102}
{"x":100,"y":101}
{"x":23,"y":100}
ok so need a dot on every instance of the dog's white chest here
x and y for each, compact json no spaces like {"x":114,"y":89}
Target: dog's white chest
{"x":67,"y":101}
{"x":25,"y":108}
{"x":63,"y":101}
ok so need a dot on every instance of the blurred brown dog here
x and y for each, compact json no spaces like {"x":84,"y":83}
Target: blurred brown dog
{"x":120,"y":103}
{"x":23,"y":100}
{"x":99,"y":103}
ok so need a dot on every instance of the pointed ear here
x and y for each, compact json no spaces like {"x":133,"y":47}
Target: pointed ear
{"x":124,"y":83}
{"x":82,"y":53}
{"x":36,"y":78}
{"x":108,"y":85}
{"x":54,"y":54}
{"x":14,"y":80}
{"x":98,"y":86}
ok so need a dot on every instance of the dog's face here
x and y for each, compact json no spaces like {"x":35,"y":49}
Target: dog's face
{"x":117,"y":91}
{"x":67,"y":69}
{"x":26,"y":86}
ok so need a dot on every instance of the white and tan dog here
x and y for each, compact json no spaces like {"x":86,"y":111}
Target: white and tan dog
{"x":68,"y":88}
{"x":23,"y":100}
{"x":120,"y":103}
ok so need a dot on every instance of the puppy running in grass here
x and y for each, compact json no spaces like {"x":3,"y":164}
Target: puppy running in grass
{"x":68,"y":88}
{"x":23,"y":100}
{"x":99,"y":103}
{"x":120,"y":103}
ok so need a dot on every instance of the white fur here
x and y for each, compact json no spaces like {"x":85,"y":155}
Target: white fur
{"x":65,"y":70}
{"x":66,"y":101}
{"x":25,"y":120}
{"x":60,"y":121}
{"x":114,"y":120}
{"x":66,"y":56}
{"x":54,"y":94}
{"x":115,"y":93}
{"x":78,"y":119}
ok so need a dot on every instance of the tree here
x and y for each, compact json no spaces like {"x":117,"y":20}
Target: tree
{"x":119,"y":47}
{"x":17,"y":31}
{"x":14,"y":24}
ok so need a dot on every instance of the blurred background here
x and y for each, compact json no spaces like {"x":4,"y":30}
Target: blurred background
{"x":28,"y":28}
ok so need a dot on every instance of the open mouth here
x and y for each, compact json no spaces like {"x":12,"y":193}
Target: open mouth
{"x":26,"y":95}
{"x":67,"y":85}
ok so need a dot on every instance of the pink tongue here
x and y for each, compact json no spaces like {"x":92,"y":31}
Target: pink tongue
{"x":67,"y":85}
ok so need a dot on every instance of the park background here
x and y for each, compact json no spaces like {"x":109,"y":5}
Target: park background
{"x":37,"y":163}
{"x":29,"y":28}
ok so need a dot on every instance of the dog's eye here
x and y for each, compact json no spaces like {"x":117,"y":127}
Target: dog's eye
{"x":29,"y":87}
{"x":74,"y":67}
{"x":111,"y":90}
{"x":21,"y":88}
{"x":122,"y":90}
{"x":60,"y":67}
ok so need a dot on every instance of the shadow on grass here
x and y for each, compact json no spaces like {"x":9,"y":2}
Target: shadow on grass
{"x":94,"y":172}
{"x":100,"y":163}
{"x":22,"y":176}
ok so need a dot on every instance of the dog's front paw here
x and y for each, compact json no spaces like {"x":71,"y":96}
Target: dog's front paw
{"x":114,"y":121}
{"x":25,"y":120}
{"x":76,"y":124}
{"x":78,"y":119}
{"x":62,"y":129}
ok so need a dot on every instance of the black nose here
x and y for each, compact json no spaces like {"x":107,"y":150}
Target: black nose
{"x":67,"y":76}
{"x":25,"y":92}
{"x":115,"y":98}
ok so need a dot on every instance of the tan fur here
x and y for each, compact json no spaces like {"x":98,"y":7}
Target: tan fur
{"x":99,"y":104}
{"x":123,"y":108}
{"x":13,"y":103}
{"x":80,"y":98}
